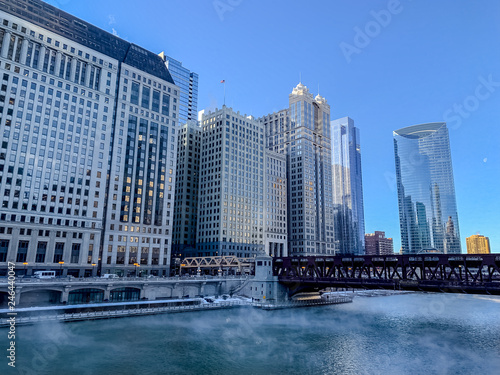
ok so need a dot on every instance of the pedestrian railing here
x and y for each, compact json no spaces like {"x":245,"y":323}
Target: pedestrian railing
{"x":90,"y":315}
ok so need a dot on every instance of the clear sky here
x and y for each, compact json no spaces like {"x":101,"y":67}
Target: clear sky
{"x":386,"y":64}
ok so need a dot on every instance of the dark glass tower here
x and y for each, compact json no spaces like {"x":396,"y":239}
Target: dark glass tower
{"x":426,"y":193}
{"x":188,"y":83}
{"x":347,"y":187}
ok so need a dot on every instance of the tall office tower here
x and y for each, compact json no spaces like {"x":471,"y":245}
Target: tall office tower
{"x":188,"y":83}
{"x":276,"y":237}
{"x":231,"y":194}
{"x":302,"y":133}
{"x":186,"y":190}
{"x":478,"y":244}
{"x":377,"y":244}
{"x":347,"y":187}
{"x":426,"y":193}
{"x":88,"y":124}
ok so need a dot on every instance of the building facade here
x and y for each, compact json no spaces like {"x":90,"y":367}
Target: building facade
{"x":88,"y":153}
{"x":188,"y":84}
{"x":347,"y":187}
{"x":426,"y":191}
{"x":231,"y":193}
{"x":276,"y":238}
{"x":139,"y":214}
{"x":302,"y":133}
{"x":377,"y":244}
{"x":186,"y":190}
{"x":478,"y":244}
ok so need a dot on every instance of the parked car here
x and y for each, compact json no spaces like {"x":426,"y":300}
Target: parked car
{"x":109,"y":276}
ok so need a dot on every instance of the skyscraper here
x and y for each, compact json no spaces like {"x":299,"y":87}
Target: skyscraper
{"x":347,"y":187}
{"x":231,"y":193}
{"x":186,"y":189}
{"x":275,"y":213}
{"x":87,"y":159}
{"x":426,"y":192}
{"x":188,"y":83}
{"x":302,"y":133}
{"x":478,"y":244}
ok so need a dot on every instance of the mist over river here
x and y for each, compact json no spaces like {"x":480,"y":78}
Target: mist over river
{"x":400,"y":334}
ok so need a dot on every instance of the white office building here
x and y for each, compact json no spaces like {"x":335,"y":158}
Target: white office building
{"x":231,"y":194}
{"x":88,"y":149}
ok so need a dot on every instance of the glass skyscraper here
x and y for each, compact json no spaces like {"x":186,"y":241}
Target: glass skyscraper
{"x":347,"y":187}
{"x":426,"y":192}
{"x":188,"y":83}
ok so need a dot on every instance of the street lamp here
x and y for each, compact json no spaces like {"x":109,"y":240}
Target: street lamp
{"x":137,"y":265}
{"x":93,"y":265}
{"x":25,"y":265}
{"x":61,"y":263}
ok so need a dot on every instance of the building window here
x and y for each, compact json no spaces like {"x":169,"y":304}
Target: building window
{"x":134,"y":95}
{"x":4,"y":247}
{"x":59,"y":252}
{"x":22,"y":251}
{"x":146,"y":92}
{"x":75,"y":253}
{"x":40,"y":252}
{"x":165,"y":105}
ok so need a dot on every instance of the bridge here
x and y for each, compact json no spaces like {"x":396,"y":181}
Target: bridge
{"x":34,"y":292}
{"x":447,"y":273}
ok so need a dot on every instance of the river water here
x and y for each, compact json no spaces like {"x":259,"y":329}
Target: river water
{"x":401,"y":334}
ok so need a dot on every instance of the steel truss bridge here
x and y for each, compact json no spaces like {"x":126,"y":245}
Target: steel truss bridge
{"x":218,"y":264}
{"x":447,"y":273}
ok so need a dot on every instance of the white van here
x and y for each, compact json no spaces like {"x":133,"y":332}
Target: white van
{"x":44,"y":274}
{"x":109,"y":276}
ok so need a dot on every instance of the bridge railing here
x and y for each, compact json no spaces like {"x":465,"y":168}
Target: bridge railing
{"x":25,"y":280}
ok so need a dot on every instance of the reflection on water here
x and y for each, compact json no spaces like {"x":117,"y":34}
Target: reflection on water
{"x":405,"y":334}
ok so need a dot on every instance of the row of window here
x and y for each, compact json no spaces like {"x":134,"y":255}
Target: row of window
{"x":50,"y":41}
{"x":41,"y":252}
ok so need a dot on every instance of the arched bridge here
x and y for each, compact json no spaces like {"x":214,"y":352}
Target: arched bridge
{"x":448,"y":273}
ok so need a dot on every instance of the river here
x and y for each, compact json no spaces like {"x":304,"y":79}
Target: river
{"x":401,"y":334}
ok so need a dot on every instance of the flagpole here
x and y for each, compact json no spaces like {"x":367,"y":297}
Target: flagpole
{"x":224,"y":92}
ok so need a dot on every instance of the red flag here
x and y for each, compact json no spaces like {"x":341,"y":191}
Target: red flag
{"x":223,"y":81}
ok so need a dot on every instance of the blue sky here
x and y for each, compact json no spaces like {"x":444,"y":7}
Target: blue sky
{"x":386,"y":64}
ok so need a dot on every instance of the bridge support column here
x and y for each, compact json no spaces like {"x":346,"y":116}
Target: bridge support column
{"x":143,"y":291}
{"x":202,"y":288}
{"x":65,"y":295}
{"x":107,"y":293}
{"x":18,"y":295}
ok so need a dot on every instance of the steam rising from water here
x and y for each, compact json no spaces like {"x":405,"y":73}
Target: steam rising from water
{"x":410,"y":334}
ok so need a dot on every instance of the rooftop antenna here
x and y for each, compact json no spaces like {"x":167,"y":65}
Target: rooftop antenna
{"x":300,"y":77}
{"x":318,"y":89}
